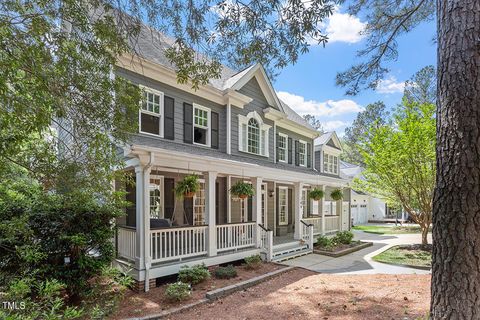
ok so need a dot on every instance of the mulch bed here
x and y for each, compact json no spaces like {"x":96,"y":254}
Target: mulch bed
{"x":341,"y":249}
{"x":154,"y":302}
{"x":302,"y":294}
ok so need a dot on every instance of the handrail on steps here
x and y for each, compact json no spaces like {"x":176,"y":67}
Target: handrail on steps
{"x":264,"y":229}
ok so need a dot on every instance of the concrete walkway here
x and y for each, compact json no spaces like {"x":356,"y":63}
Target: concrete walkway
{"x":361,"y":262}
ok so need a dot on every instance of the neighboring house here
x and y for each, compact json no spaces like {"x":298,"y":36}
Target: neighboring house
{"x":235,"y":128}
{"x":364,"y":207}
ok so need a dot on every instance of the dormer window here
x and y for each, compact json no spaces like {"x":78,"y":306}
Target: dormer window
{"x":330,"y":163}
{"x":253,"y":134}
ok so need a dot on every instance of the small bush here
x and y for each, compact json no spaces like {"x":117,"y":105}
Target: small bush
{"x":226,"y":272}
{"x":326,"y":243}
{"x":253,"y":262}
{"x":344,"y":237}
{"x":178,"y":291}
{"x":193,"y":275}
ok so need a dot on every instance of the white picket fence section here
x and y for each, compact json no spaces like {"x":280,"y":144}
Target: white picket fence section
{"x":235,"y":236}
{"x":178,"y":243}
{"x":126,"y":243}
{"x":316,"y":222}
{"x":332,"y":223}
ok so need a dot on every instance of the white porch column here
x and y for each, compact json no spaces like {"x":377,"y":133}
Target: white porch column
{"x":139,"y":219}
{"x":257,"y":205}
{"x":297,"y":209}
{"x":146,"y":214}
{"x":322,"y":210}
{"x":229,"y":199}
{"x":210,"y":179}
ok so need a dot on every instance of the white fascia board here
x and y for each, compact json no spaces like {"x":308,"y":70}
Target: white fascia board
{"x":181,"y":160}
{"x":167,"y":76}
{"x":236,"y":99}
{"x":281,"y":120}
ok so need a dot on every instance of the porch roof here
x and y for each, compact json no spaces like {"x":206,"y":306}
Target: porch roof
{"x":178,"y":156}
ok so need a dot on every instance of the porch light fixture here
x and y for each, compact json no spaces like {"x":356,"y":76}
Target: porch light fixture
{"x":271,"y":193}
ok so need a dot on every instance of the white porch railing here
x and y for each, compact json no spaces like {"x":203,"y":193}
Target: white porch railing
{"x":266,"y":242}
{"x":126,"y":242}
{"x":332,"y":224}
{"x":235,"y":236}
{"x":178,"y":243}
{"x":307,"y":233}
{"x":316,"y":222}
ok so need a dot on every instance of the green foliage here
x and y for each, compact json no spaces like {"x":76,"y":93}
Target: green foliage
{"x":344,"y":237}
{"x":422,"y":87}
{"x":178,"y":291}
{"x":314,"y":122}
{"x":189,"y":185}
{"x":374,"y":115}
{"x":400,"y":162}
{"x":253,"y":262}
{"x":226,"y":272}
{"x":336,"y":194}
{"x":193,"y":275}
{"x":316,"y":194}
{"x":242,"y":189}
{"x":325,"y":242}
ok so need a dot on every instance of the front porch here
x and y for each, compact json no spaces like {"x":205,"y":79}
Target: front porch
{"x":160,"y":233}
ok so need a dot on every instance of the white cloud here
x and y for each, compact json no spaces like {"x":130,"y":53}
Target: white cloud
{"x":343,"y":27}
{"x":390,"y":85}
{"x":316,"y":108}
{"x":334,"y":125}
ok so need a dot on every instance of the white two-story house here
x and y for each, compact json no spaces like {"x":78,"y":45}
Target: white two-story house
{"x":235,"y":128}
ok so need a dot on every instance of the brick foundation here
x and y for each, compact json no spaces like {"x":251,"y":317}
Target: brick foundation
{"x":139,"y":286}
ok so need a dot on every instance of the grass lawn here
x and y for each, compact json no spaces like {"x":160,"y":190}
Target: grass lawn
{"x":389,"y":229}
{"x":408,"y":255}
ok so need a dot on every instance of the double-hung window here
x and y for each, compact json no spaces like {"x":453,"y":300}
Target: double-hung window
{"x":282,"y":147}
{"x":201,"y":125}
{"x":330,"y":163}
{"x":302,"y":153}
{"x":253,"y":136}
{"x":151,"y":112}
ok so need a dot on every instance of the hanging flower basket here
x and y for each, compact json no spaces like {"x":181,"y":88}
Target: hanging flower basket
{"x":187,"y":187}
{"x":336,"y":194}
{"x":316,"y":194}
{"x":242,"y":190}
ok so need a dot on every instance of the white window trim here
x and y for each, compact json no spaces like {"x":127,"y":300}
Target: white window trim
{"x":283,"y":135}
{"x":201,"y":181}
{"x":326,"y":168}
{"x":161,"y":188}
{"x":286,"y":206}
{"x":209,"y":127}
{"x":304,"y":154}
{"x":160,"y":114}
{"x":243,"y":120}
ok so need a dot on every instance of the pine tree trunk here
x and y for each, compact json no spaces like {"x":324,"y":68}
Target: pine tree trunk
{"x":456,"y":205}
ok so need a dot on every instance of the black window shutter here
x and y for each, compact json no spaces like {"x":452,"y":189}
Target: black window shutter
{"x":169,"y":196}
{"x":169,"y":118}
{"x":250,"y":210}
{"x":214,"y":139}
{"x":277,"y":138}
{"x":290,"y":151}
{"x":309,"y":155}
{"x":297,"y":155}
{"x":187,"y":123}
{"x":188,"y":211}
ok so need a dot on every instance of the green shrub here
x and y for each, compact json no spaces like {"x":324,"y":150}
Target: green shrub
{"x":226,"y":272}
{"x":194,"y":274}
{"x":178,"y":291}
{"x":253,"y":262}
{"x":326,"y":243}
{"x":344,"y":237}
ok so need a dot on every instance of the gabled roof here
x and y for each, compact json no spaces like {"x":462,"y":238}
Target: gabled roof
{"x":325,"y":138}
{"x":151,"y":45}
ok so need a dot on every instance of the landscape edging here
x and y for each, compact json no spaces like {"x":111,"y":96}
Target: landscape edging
{"x":343,"y":252}
{"x":217,"y":293}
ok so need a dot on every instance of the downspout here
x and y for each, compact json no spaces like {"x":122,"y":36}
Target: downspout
{"x":146,"y":211}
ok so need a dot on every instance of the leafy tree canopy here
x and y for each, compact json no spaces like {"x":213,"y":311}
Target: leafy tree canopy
{"x":422,"y":86}
{"x":314,"y":122}
{"x":400,"y":162}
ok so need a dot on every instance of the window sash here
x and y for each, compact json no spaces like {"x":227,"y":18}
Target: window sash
{"x":201,"y":120}
{"x":282,"y":148}
{"x":302,"y":152}
{"x":283,"y":206}
{"x":330,"y":163}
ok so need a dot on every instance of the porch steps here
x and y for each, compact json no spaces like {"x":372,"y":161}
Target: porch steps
{"x":289,"y":250}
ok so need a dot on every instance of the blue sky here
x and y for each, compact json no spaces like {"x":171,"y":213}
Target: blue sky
{"x":309,"y":85}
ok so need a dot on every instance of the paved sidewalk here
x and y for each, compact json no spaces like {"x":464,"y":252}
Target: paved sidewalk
{"x":361,"y":262}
